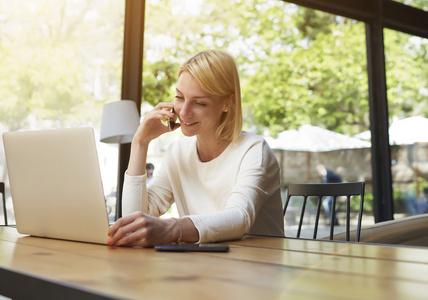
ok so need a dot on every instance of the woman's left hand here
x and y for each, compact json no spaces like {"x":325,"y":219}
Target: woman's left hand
{"x":139,"y":229}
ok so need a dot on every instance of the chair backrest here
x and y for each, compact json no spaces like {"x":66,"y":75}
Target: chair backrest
{"x":3,"y":192}
{"x":321,"y":190}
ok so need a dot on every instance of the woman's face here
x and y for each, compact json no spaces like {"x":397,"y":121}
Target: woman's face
{"x":199,"y":112}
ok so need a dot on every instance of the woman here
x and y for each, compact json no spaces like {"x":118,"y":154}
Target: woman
{"x":225,"y":182}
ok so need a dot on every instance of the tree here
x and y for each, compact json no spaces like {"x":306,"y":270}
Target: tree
{"x":49,"y":74}
{"x":407,"y":74}
{"x":287,"y":80}
{"x":158,"y":79}
{"x":297,"y":65}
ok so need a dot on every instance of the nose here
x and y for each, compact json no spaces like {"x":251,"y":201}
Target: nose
{"x":185,"y":111}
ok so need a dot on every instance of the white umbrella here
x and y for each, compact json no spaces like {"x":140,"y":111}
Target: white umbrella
{"x":409,"y":131}
{"x":404,"y":132}
{"x":311,"y":138}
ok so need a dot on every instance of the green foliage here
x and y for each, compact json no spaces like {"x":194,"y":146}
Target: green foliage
{"x":405,"y":55}
{"x":297,"y":65}
{"x":421,"y":4}
{"x":57,"y":70}
{"x":321,"y":82}
{"x":158,"y":80}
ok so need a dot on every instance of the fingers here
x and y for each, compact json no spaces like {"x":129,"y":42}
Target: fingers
{"x":127,"y":230}
{"x":154,"y":123}
{"x":121,"y":222}
{"x":161,"y":111}
{"x":164,"y":109}
{"x":139,"y":229}
{"x":165,"y":113}
{"x":133,"y":238}
{"x":164,"y":105}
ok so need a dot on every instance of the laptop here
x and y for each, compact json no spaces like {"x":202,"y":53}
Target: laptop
{"x":56,"y":184}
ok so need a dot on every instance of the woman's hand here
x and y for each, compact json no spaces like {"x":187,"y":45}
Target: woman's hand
{"x":139,"y":229}
{"x":151,"y":127}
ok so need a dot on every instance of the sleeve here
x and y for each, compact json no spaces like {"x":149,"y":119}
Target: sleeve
{"x":255,"y":182}
{"x":133,"y":189}
{"x":138,"y":197}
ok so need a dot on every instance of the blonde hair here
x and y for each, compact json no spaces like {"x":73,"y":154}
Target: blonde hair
{"x":217,"y":74}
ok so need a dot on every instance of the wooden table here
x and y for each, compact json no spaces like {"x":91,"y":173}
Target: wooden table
{"x":254,"y":268}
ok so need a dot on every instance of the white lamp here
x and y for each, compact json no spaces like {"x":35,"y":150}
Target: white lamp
{"x":120,"y":121}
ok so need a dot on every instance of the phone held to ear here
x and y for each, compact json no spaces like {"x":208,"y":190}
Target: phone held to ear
{"x":193,"y":247}
{"x":171,"y":121}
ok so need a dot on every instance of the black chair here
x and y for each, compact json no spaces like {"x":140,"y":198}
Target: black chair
{"x":321,"y":190}
{"x":3,"y":192}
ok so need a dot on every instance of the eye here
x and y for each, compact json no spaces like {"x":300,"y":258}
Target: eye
{"x":179,"y":97}
{"x":201,"y":103}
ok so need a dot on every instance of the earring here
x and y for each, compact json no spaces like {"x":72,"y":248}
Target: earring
{"x":225,"y":110}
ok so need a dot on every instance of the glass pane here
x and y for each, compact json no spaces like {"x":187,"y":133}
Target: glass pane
{"x":60,"y":63}
{"x":298,"y":67}
{"x":407,"y":82}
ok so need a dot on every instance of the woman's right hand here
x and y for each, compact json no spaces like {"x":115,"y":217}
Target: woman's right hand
{"x":139,"y":229}
{"x":151,"y":127}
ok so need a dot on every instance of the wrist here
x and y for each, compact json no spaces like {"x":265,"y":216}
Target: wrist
{"x":178,"y":230}
{"x":137,"y":159}
{"x":140,"y":146}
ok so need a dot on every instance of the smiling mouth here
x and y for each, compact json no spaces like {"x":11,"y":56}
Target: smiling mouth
{"x":188,"y":124}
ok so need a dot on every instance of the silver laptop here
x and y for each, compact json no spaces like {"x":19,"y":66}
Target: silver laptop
{"x":56,"y":185}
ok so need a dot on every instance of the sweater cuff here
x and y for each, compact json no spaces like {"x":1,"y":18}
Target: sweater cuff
{"x":136,"y":179}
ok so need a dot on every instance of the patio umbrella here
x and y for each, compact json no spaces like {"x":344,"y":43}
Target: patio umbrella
{"x":404,"y":132}
{"x":309,"y":138}
{"x":315,"y":139}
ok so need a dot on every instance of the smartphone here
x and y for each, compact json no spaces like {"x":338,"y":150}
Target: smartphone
{"x":193,"y":247}
{"x":171,"y":121}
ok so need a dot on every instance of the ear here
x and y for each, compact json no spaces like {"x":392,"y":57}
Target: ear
{"x":229,"y":101}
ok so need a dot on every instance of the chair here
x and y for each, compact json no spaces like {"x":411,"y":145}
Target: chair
{"x":320,"y":190}
{"x":3,"y":191}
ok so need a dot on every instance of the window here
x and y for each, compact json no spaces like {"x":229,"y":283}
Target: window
{"x":298,"y":66}
{"x":407,"y":82}
{"x":61,"y":61}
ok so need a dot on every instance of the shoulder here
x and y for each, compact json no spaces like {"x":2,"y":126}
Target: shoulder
{"x":247,"y":138}
{"x":250,"y":141}
{"x":333,"y":177}
{"x":255,"y":146}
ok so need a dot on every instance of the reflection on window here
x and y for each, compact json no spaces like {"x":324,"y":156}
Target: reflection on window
{"x":60,"y":62}
{"x":407,"y":82}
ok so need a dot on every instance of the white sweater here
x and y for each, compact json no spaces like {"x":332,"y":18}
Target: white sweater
{"x":236,"y":193}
